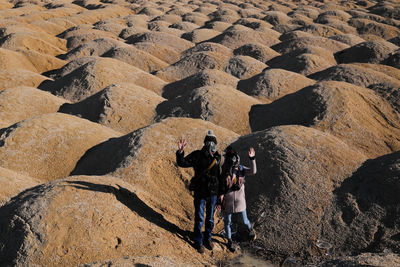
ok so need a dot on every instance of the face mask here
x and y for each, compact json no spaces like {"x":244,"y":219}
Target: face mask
{"x":235,"y":160}
{"x":210,"y":148}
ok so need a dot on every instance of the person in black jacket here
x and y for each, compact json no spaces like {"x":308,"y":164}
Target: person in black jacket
{"x":208,"y":186}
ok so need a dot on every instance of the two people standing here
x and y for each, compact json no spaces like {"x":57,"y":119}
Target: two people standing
{"x":211,"y":185}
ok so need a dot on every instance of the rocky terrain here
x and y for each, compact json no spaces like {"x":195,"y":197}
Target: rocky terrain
{"x":95,"y":94}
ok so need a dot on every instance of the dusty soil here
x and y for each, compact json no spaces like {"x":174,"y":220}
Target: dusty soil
{"x":95,"y":94}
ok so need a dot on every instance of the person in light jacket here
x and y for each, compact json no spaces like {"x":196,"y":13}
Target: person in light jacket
{"x":234,"y":200}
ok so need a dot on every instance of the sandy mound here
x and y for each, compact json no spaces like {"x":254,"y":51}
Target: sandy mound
{"x":140,"y":68}
{"x":225,"y":15}
{"x":217,"y":25}
{"x":163,"y":26}
{"x":210,"y":103}
{"x":388,"y":9}
{"x":19,"y":77}
{"x":96,"y":47}
{"x":114,"y":26}
{"x":85,"y":219}
{"x":19,"y":103}
{"x":30,"y":42}
{"x":208,"y":46}
{"x":192,"y":64}
{"x":320,"y":30}
{"x":273,"y":84}
{"x":200,"y":35}
{"x":171,"y":31}
{"x":362,"y":113}
{"x":200,"y":79}
{"x":295,"y":34}
{"x":196,"y":18}
{"x":59,"y":141}
{"x":349,"y":39}
{"x":5,"y":5}
{"x":14,"y":60}
{"x":366,"y":26}
{"x":384,"y":80}
{"x":93,"y":15}
{"x":20,"y":34}
{"x":255,"y":24}
{"x":12,"y":183}
{"x":236,"y":37}
{"x":366,"y":206}
{"x":68,"y":68}
{"x":372,"y":52}
{"x":393,"y":59}
{"x":42,"y":62}
{"x":184,"y":26}
{"x":63,"y":22}
{"x":129,"y":31}
{"x":137,"y":58}
{"x":304,"y":42}
{"x":297,"y":170}
{"x":171,"y":41}
{"x":244,"y":67}
{"x":336,"y":14}
{"x":146,"y":158}
{"x":122,"y":107}
{"x":310,"y":11}
{"x":276,"y":18}
{"x":260,"y":52}
{"x":304,"y":60}
{"x":136,"y":20}
{"x":163,"y":52}
{"x":357,"y":74}
{"x":388,"y":70}
{"x":80,"y":35}
{"x":98,"y":74}
{"x":285,"y":28}
{"x":150,"y":11}
{"x":340,"y":26}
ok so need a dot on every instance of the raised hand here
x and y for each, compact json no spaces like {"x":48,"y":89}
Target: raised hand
{"x":252,"y":152}
{"x":181,"y":145}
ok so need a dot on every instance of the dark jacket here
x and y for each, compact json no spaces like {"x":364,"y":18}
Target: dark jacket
{"x":209,"y":182}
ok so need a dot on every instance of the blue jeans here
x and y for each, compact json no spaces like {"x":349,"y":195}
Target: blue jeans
{"x":199,"y":203}
{"x":228,"y":222}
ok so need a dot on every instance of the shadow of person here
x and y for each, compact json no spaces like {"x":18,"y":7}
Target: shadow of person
{"x":135,"y":204}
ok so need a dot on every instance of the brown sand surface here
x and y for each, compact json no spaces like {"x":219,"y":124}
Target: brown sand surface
{"x":108,"y":87}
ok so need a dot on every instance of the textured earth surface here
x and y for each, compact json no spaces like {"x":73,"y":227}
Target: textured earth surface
{"x":95,"y":94}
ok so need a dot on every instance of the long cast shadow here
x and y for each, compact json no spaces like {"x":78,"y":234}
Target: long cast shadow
{"x":135,"y":204}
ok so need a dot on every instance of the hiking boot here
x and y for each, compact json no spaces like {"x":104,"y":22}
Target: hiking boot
{"x":201,"y":249}
{"x":209,"y":244}
{"x":252,"y":234}
{"x":231,"y":246}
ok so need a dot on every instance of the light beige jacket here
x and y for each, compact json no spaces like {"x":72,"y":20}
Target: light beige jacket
{"x":235,"y":201}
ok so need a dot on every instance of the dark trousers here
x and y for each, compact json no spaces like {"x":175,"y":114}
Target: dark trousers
{"x":199,"y":203}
